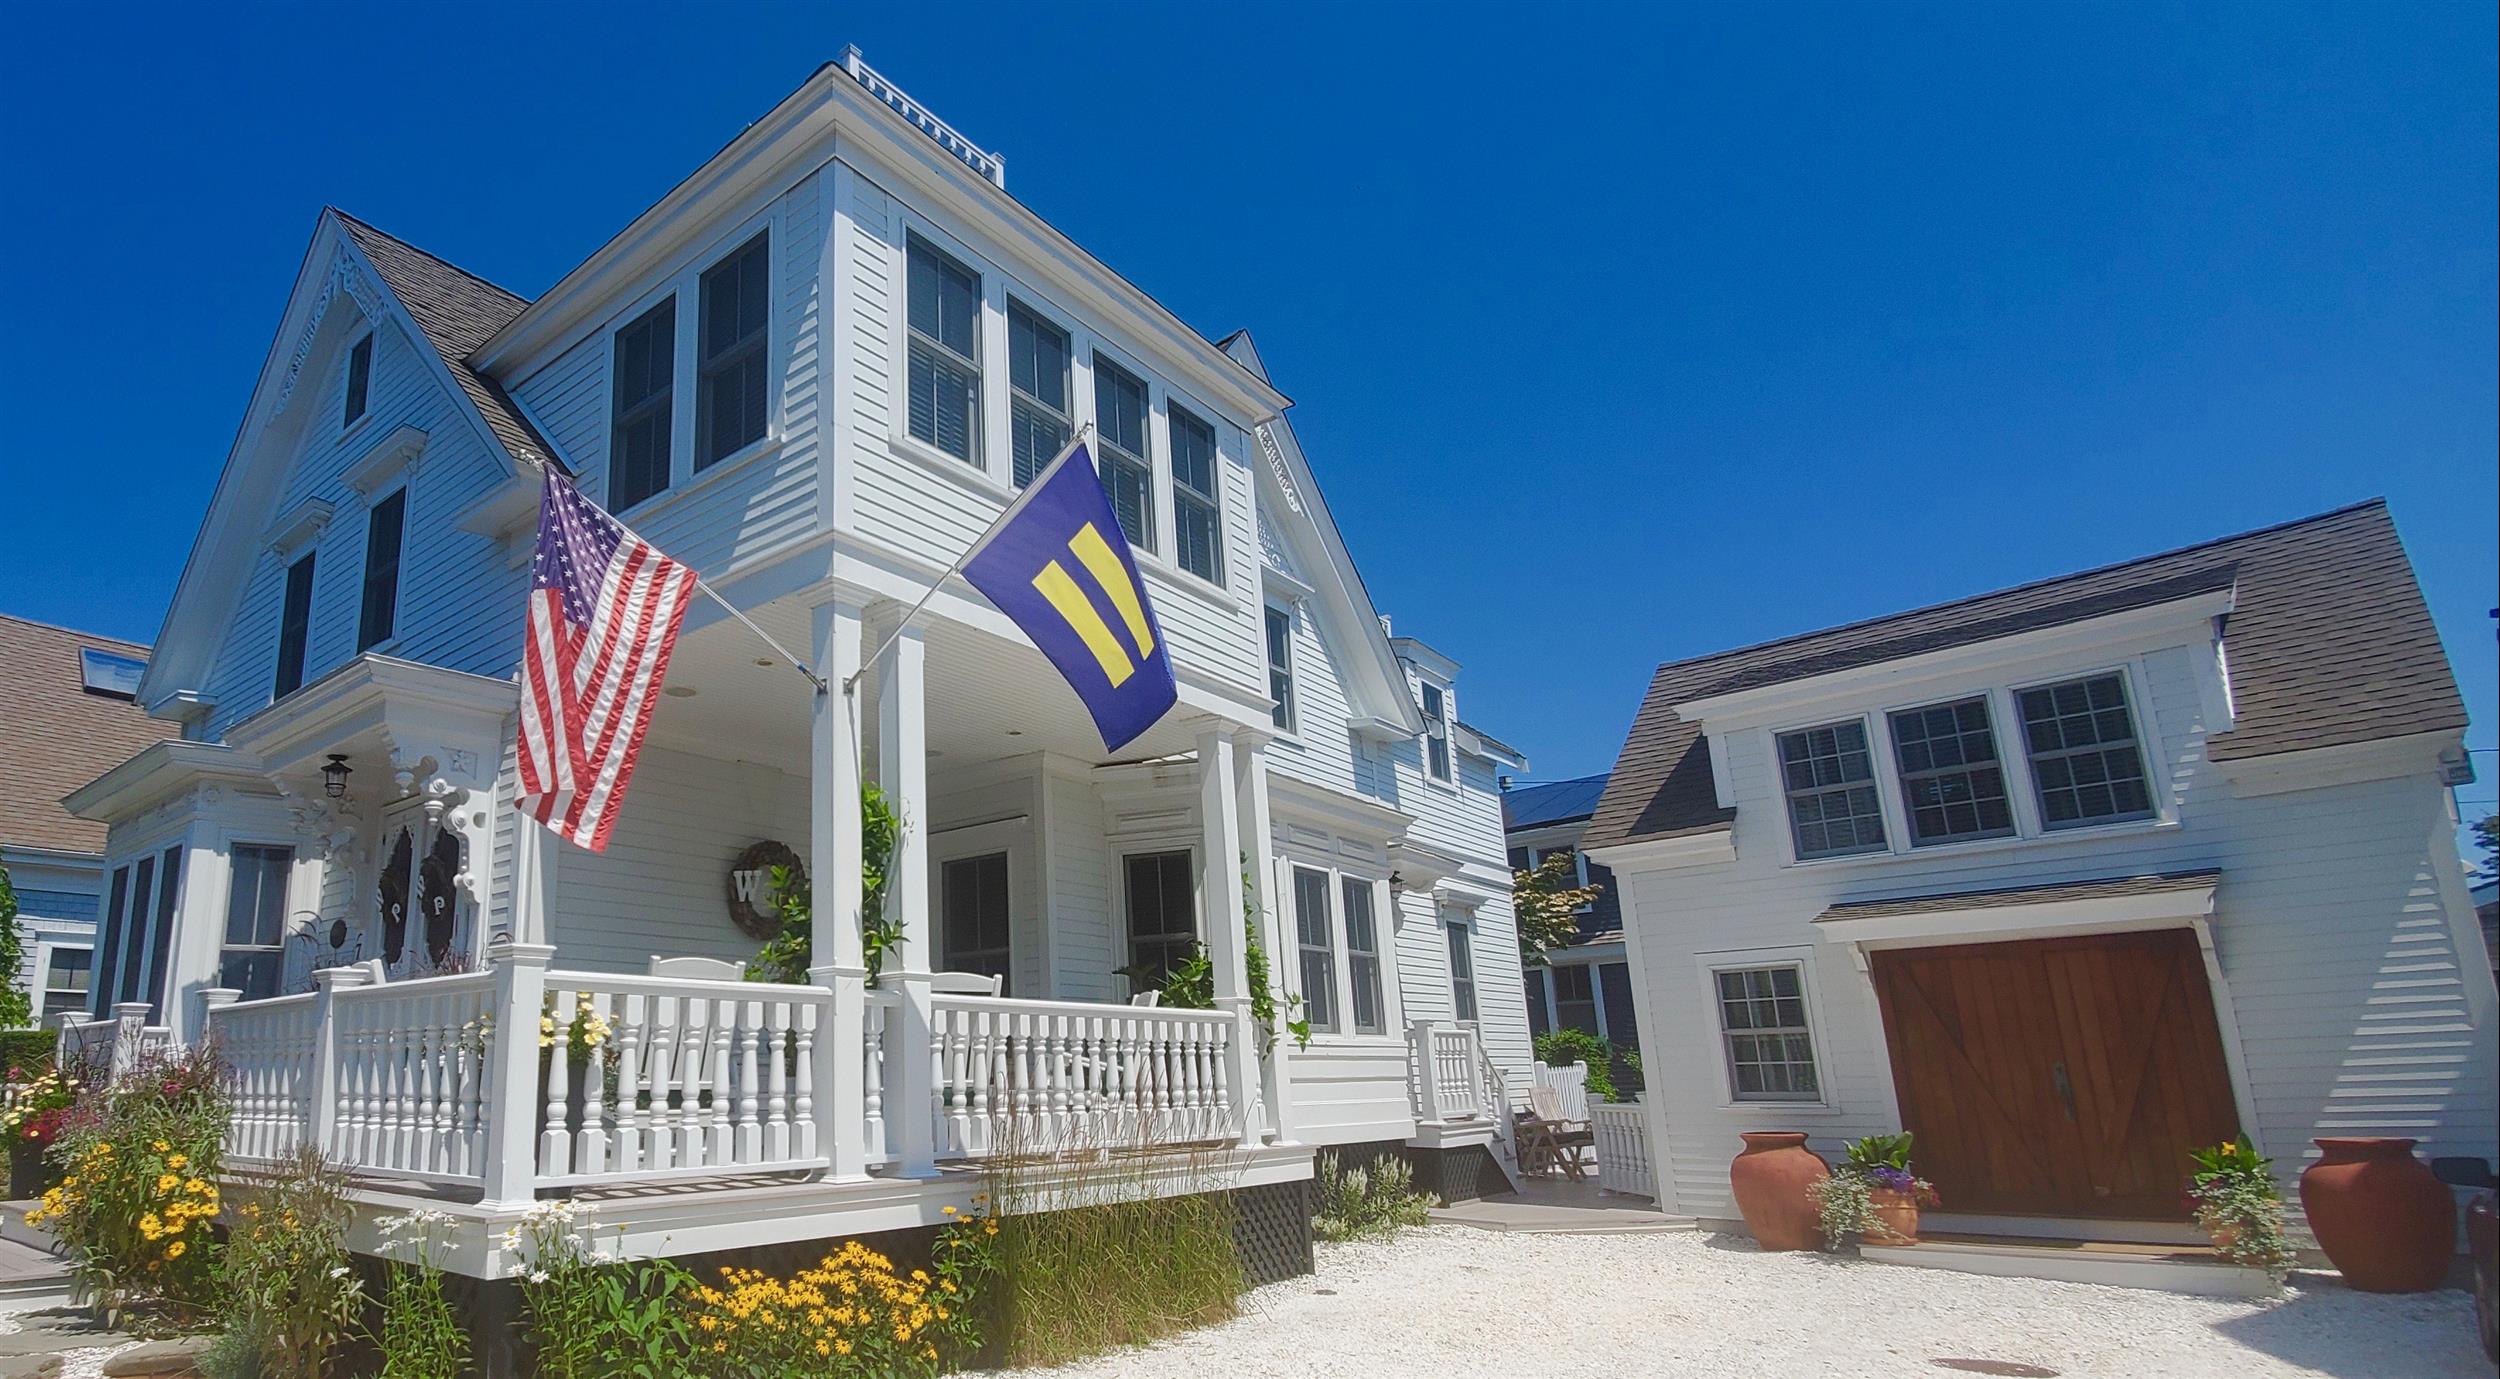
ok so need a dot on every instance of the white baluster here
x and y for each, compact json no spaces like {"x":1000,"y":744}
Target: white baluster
{"x":722,"y":1147}
{"x":626,"y":1153}
{"x":777,"y":1081}
{"x":555,"y":1144}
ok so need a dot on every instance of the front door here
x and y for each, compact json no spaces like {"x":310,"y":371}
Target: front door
{"x":2058,"y":1077}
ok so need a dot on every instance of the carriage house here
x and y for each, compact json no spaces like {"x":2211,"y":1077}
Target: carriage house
{"x":2067,"y":880}
{"x":815,"y":371}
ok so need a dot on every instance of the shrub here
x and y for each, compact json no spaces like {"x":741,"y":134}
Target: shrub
{"x":27,"y":1053}
{"x":1377,"y":1199}
{"x":2238,"y":1203}
{"x":291,"y":1295}
{"x":1560,"y":1048}
{"x":139,"y":1186}
{"x":421,"y":1336}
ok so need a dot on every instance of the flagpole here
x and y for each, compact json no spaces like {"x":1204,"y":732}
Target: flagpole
{"x":849,"y":682}
{"x":732,"y":609}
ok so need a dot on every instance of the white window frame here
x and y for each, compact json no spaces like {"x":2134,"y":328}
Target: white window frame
{"x":48,"y":951}
{"x":1179,"y":494}
{"x":1122,"y":849}
{"x":370,"y":342}
{"x":2006,"y":782}
{"x":1291,"y":704}
{"x":2154,"y":795}
{"x":1332,"y":947}
{"x":288,"y":905}
{"x":1463,"y":926}
{"x":1019,"y":301}
{"x":685,"y":283}
{"x":1877,"y":744}
{"x":992,"y":474}
{"x":1818,"y":1027}
{"x":1448,"y":720}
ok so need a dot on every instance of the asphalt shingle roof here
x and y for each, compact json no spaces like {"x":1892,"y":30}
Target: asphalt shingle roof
{"x":2154,"y":883}
{"x":458,"y":311}
{"x":56,"y":735}
{"x":2329,"y":641}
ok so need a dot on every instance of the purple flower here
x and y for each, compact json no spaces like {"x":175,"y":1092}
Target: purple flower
{"x":1896,"y":1179}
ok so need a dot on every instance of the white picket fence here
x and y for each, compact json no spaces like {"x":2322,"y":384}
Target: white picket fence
{"x":1623,"y":1162}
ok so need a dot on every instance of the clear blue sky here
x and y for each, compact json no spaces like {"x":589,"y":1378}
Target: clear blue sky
{"x":1619,"y":334}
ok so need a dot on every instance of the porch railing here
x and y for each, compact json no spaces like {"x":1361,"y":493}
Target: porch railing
{"x":112,"y":1046}
{"x":521,"y":1078}
{"x":1450,"y":1072}
{"x":1623,"y":1162}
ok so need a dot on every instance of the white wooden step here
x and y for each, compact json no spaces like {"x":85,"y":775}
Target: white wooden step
{"x":2112,"y":1263}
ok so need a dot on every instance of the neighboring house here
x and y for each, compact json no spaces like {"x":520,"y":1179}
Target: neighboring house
{"x":1587,"y":986}
{"x":2067,"y":879}
{"x":65,"y":713}
{"x":815,"y":371}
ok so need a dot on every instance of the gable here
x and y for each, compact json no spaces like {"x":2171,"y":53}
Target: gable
{"x":339,"y":294}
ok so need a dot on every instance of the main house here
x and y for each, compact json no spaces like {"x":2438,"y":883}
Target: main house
{"x":2067,"y":880}
{"x":816,"y":370}
{"x":65,"y":713}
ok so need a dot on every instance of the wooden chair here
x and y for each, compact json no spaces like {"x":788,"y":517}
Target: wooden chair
{"x":1562,"y":1142}
{"x":698,"y":969}
{"x":966,"y":983}
{"x":1146,"y":1000}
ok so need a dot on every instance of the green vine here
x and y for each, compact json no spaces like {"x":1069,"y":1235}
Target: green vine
{"x":15,"y":1010}
{"x":787,"y":956}
{"x":1191,"y":984}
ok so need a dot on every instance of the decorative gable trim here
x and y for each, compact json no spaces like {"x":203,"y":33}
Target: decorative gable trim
{"x":298,"y":527}
{"x":345,"y":276}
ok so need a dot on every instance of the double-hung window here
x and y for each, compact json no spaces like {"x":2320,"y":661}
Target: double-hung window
{"x":1127,"y":463}
{"x":945,"y":380}
{"x":1436,"y":707}
{"x":1829,"y":776}
{"x":1952,"y":785}
{"x":1162,"y":915}
{"x":384,"y":527}
{"x":1197,"y":515}
{"x":1280,"y":666}
{"x":1038,"y":418}
{"x":68,"y":983}
{"x":1575,"y":997}
{"x":974,"y":921}
{"x":1362,"y":956}
{"x":1462,"y":971}
{"x":1313,"y":931}
{"x":359,"y":380}
{"x":294,"y":626}
{"x":643,"y":406}
{"x":255,"y":920}
{"x":2084,"y":754}
{"x":730,"y":384}
{"x":1762,"y":1019}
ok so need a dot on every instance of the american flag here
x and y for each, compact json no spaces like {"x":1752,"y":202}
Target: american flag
{"x":605,"y":607}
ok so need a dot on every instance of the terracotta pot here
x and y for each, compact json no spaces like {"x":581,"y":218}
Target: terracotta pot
{"x":2386,"y":1223}
{"x":2224,"y":1237}
{"x":1896,"y":1217}
{"x":1770,"y":1179}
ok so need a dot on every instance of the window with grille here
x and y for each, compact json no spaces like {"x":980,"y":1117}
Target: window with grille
{"x":384,"y":528}
{"x":2085,"y":760}
{"x":1039,"y":421}
{"x":1127,"y":466}
{"x":255,"y":920}
{"x":1197,"y":514}
{"x":1280,"y":666}
{"x":294,"y":627}
{"x":1762,"y":1017}
{"x":643,"y":406}
{"x":1313,"y":933}
{"x":1162,"y":915}
{"x":359,"y":380}
{"x":945,"y":376}
{"x":1436,"y":709}
{"x":974,"y":920}
{"x":730,"y":384}
{"x":1952,"y":785}
{"x":68,"y":984}
{"x":1830,"y":779}
{"x":1362,"y":956}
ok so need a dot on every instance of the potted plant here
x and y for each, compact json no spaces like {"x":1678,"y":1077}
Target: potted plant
{"x":31,"y":1124}
{"x":1874,"y":1194}
{"x":2240,"y":1207}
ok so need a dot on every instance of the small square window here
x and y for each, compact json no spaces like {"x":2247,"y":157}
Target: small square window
{"x":1762,"y":1022}
{"x":2085,"y":759}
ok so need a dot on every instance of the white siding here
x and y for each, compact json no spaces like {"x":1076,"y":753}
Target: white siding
{"x":2353,"y":1011}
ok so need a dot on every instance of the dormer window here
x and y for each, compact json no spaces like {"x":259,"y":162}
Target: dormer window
{"x":1829,"y":776}
{"x":359,"y":379}
{"x":2084,"y":758}
{"x":1436,"y":707}
{"x":945,"y":378}
{"x":1952,"y":785}
{"x":730,"y":384}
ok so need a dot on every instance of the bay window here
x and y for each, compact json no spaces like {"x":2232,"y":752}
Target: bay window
{"x":945,"y":366}
{"x":730,"y":384}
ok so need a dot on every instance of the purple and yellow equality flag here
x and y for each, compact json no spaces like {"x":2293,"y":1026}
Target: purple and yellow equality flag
{"x":1058,"y":564}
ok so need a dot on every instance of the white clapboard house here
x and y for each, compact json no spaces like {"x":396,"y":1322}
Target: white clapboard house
{"x":815,"y":371}
{"x":2066,"y":879}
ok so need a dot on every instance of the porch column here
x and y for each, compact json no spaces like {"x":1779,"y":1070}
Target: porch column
{"x":903,"y":773}
{"x":1258,"y":839}
{"x":1220,"y":890}
{"x":834,"y":864}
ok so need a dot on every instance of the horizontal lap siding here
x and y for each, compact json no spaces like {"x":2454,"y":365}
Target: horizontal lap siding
{"x":1082,"y":872}
{"x":902,"y":503}
{"x":459,"y":601}
{"x":2324,"y":895}
{"x":1320,"y":751}
{"x":661,"y":888}
{"x":1350,"y":1093}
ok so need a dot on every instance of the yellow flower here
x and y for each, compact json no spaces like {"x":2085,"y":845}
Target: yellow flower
{"x":178,"y":1161}
{"x":167,"y":1182}
{"x":174,"y":1251}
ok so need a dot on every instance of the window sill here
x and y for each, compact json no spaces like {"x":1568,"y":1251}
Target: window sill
{"x":964,"y":473}
{"x":660,"y":504}
{"x":1782,"y":1108}
{"x":2120,"y":832}
{"x":1187,"y":583}
{"x":349,"y":431}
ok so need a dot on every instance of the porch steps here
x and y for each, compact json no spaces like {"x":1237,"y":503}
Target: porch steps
{"x":2171,"y":1268}
{"x":31,"y":1275}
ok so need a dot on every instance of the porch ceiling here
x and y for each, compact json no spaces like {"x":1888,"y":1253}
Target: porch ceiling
{"x":989,"y":698}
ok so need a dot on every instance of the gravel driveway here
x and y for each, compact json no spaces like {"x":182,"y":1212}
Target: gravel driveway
{"x":1449,"y":1301}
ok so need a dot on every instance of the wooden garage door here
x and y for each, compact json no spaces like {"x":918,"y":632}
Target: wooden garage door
{"x":2061,"y":1077}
